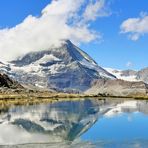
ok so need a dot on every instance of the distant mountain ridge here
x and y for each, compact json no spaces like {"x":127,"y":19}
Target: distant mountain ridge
{"x":130,"y":75}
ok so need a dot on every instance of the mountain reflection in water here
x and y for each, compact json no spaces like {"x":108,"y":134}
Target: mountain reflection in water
{"x":64,"y":124}
{"x":48,"y":122}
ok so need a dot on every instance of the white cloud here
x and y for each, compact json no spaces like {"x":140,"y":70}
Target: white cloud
{"x":135,"y":27}
{"x":129,"y":64}
{"x":95,"y":9}
{"x":61,"y":19}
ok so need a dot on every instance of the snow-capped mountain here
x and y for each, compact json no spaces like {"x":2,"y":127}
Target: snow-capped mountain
{"x":69,"y":69}
{"x":66,"y":68}
{"x":130,"y":75}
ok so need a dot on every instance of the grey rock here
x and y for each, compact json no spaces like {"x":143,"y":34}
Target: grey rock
{"x":118,"y":88}
{"x":6,"y":82}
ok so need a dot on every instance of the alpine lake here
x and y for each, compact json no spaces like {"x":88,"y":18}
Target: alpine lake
{"x":80,"y":123}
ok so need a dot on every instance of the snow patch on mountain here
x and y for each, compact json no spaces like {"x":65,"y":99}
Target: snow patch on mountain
{"x":119,"y":74}
{"x":46,"y":58}
{"x":37,"y":67}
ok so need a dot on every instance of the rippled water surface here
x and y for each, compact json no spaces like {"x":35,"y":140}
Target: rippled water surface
{"x":88,"y":123}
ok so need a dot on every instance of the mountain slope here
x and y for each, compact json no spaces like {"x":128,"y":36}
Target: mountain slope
{"x":66,"y":68}
{"x":118,"y":88}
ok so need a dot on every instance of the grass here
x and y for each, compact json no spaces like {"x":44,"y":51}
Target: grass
{"x":47,"y":97}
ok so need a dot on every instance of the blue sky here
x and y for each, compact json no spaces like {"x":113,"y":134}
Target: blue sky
{"x":114,"y":50}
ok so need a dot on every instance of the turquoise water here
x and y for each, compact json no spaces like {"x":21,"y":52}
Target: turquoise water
{"x":87,"y":123}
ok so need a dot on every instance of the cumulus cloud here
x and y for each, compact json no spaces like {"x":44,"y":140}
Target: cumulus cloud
{"x":61,"y":19}
{"x":135,"y":27}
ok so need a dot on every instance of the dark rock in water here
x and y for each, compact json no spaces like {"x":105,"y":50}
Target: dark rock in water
{"x":5,"y":81}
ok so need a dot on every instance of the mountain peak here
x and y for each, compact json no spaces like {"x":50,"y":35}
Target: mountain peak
{"x":64,"y":68}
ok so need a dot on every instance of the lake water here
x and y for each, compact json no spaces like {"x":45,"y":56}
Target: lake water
{"x":87,"y":123}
